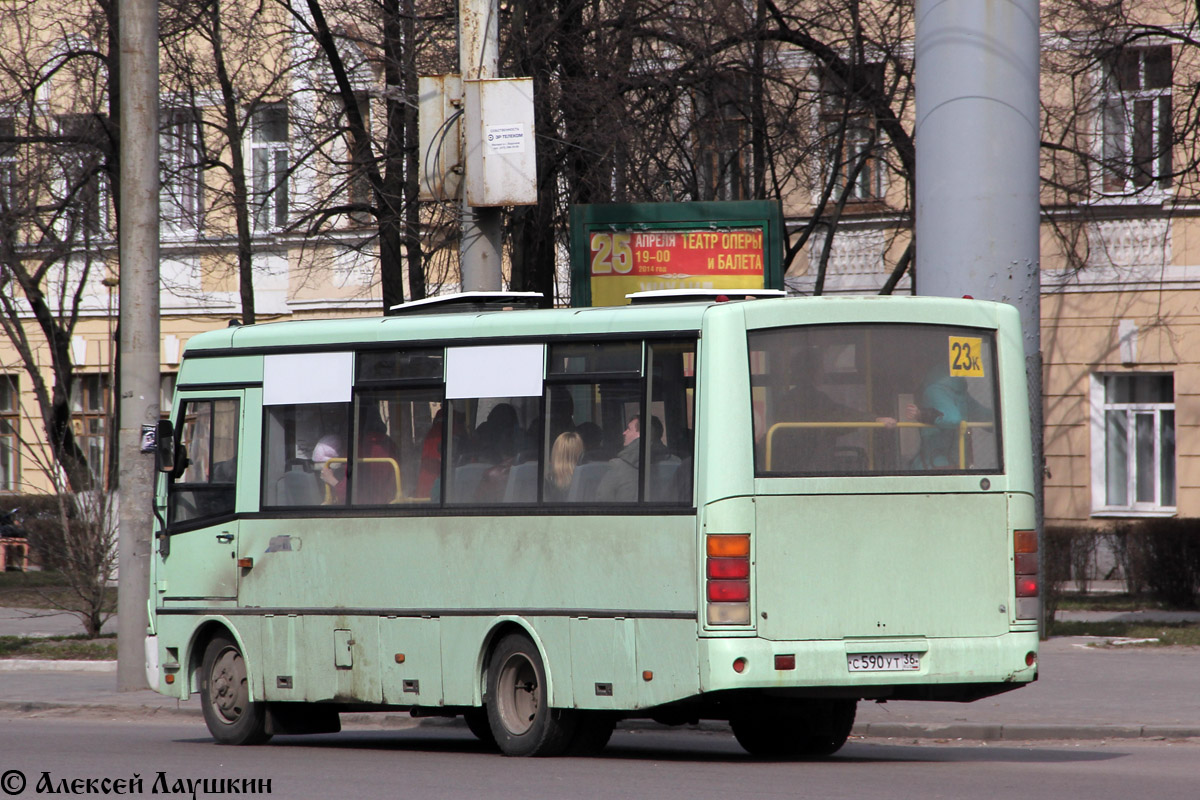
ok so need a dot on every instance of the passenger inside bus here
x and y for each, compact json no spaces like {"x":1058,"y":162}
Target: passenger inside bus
{"x":329,"y":449}
{"x":377,"y":466}
{"x":620,"y":482}
{"x":564,"y":458}
{"x":816,"y":448}
{"x":945,"y":405}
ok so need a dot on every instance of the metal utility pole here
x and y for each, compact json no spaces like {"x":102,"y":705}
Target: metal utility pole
{"x":139,"y":379}
{"x":977,"y":138}
{"x":479,"y":59}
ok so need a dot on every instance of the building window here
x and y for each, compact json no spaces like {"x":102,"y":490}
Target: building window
{"x":269,"y":166}
{"x":357,"y":165}
{"x":1135,"y":118}
{"x":89,"y":413}
{"x":179,"y":153}
{"x":166,"y":392}
{"x":1134,"y":442}
{"x":723,"y":133}
{"x":9,"y":419}
{"x":850,"y":133}
{"x":84,"y":139}
{"x":8,"y":164}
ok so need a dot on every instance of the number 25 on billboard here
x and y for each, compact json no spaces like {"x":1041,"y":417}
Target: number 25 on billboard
{"x":611,"y":252}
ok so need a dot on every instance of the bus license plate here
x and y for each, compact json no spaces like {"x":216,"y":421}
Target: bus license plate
{"x":883,"y":662}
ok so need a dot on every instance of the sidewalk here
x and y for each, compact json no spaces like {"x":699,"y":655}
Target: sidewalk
{"x":1083,"y":692}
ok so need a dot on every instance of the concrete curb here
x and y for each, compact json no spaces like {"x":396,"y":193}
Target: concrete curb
{"x":985,"y":732}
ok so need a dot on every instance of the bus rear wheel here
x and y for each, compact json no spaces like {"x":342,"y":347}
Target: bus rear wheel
{"x":811,"y":728}
{"x":518,"y":703}
{"x":225,"y":695}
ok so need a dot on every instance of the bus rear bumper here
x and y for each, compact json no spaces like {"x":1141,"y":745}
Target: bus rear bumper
{"x":964,"y":668}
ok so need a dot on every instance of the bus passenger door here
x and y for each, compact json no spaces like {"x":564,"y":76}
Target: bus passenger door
{"x":197,"y":561}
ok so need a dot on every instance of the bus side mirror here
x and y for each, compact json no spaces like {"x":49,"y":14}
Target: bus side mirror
{"x":164,"y":446}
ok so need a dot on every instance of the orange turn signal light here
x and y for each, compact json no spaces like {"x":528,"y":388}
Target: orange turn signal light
{"x":725,"y":545}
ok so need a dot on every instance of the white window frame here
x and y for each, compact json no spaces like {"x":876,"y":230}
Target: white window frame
{"x":10,"y":413}
{"x":270,"y":191}
{"x":862,"y":136}
{"x":180,"y":193}
{"x":8,"y":162}
{"x":1099,"y":447}
{"x":1111,"y":98}
{"x":75,"y":155}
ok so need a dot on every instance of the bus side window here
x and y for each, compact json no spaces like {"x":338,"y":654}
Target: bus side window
{"x":493,"y":454}
{"x":593,"y":390}
{"x":304,"y":455}
{"x":208,"y":440}
{"x":672,"y":393}
{"x":397,"y":446}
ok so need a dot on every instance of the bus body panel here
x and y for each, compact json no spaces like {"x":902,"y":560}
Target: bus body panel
{"x":581,"y":566}
{"x":842,"y":566}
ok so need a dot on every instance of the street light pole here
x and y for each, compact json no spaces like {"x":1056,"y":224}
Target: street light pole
{"x":139,"y":380}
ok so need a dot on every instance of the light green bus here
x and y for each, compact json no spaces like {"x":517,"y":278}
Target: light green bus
{"x":547,"y":521}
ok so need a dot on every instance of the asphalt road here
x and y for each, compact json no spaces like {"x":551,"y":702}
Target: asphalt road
{"x":446,"y":764}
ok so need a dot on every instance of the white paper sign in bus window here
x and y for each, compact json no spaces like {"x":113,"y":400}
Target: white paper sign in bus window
{"x":509,"y":370}
{"x":307,"y":378}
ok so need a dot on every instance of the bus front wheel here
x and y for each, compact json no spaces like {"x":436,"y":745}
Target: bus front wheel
{"x":225,"y":695}
{"x":518,"y":704}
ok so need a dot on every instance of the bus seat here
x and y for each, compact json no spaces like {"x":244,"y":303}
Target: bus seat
{"x":298,"y":488}
{"x":466,"y":481}
{"x":585,"y":480}
{"x":662,"y":479}
{"x":522,"y":483}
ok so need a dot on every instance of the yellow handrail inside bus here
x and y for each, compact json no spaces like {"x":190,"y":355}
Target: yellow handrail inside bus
{"x":397,"y":498}
{"x":962,"y":433}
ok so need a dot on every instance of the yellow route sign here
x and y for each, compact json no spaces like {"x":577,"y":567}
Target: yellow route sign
{"x":966,"y":357}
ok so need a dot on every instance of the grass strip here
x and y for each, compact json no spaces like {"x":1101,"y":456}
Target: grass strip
{"x":1167,"y":633}
{"x":71,"y":648}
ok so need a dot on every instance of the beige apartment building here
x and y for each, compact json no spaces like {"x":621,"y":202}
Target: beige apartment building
{"x":1120,"y":250}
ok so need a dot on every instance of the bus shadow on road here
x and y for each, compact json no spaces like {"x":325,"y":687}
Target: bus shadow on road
{"x":715,"y":747}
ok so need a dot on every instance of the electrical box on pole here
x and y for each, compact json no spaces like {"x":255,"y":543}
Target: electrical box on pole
{"x":500,"y":153}
{"x":439,"y":109}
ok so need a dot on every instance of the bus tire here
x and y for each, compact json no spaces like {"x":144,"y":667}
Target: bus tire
{"x":592,"y":732}
{"x":225,"y":695}
{"x":813,"y":728}
{"x":479,"y":726}
{"x":518,"y":703}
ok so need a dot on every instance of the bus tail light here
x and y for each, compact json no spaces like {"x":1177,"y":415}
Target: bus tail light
{"x":727,"y":570}
{"x":1026,"y":572}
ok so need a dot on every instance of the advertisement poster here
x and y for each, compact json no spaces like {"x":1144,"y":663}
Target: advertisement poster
{"x":622,"y":249}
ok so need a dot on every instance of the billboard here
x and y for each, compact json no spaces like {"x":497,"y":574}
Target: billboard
{"x":620,"y":248}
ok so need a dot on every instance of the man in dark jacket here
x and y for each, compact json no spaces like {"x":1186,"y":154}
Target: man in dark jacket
{"x":620,"y":483}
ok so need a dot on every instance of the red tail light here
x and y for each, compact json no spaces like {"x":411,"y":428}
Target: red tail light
{"x":727,"y":568}
{"x":728,"y":591}
{"x":1027,"y":586}
{"x":1026,"y":573}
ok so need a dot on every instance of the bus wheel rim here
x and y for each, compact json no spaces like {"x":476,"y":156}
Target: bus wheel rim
{"x":228,"y":682}
{"x":519,"y":694}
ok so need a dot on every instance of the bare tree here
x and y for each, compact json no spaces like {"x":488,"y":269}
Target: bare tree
{"x":58,"y":199}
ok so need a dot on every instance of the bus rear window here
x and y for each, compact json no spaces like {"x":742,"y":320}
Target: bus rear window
{"x":882,"y":399}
